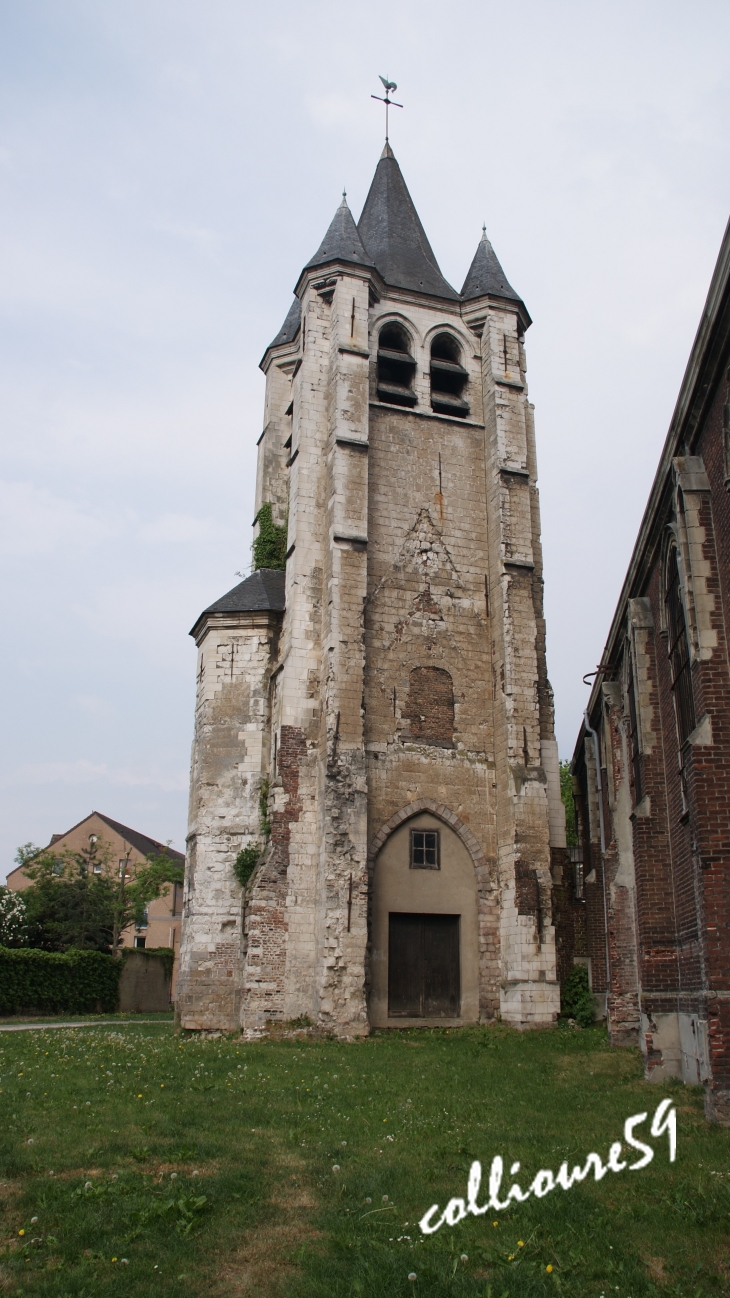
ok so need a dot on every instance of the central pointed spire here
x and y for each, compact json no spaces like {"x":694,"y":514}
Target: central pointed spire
{"x":394,"y":237}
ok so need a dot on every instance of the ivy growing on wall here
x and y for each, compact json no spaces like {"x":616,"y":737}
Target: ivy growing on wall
{"x":269,"y":548}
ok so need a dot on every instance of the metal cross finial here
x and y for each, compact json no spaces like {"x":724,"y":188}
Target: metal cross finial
{"x":389,"y":85}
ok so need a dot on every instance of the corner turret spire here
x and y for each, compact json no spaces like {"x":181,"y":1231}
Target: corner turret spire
{"x":486,"y":277}
{"x":393,"y":235}
{"x":341,"y":242}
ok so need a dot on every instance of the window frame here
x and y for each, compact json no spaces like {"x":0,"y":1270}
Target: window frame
{"x":424,"y":829}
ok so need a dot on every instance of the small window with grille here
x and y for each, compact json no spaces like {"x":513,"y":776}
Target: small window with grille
{"x":678,"y":649}
{"x":425,"y":854}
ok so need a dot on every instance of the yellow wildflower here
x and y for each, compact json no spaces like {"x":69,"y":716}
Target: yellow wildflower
{"x":549,"y":1267}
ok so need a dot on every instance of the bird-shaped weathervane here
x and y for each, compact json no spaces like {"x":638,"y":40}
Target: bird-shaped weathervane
{"x":388,"y":86}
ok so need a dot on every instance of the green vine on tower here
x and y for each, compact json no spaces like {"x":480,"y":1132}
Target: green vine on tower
{"x":269,"y":548}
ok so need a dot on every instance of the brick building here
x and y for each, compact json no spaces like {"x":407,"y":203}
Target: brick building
{"x":122,"y":848}
{"x":384,"y":701}
{"x":651,"y":769}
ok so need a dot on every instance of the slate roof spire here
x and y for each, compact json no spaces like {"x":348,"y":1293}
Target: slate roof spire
{"x":391,"y":231}
{"x":341,"y":242}
{"x":486,"y":276}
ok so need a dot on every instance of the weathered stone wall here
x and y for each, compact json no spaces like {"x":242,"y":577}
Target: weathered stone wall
{"x":229,"y":761}
{"x":409,"y":673}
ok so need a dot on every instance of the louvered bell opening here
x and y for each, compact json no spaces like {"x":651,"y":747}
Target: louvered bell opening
{"x":448,"y":378}
{"x":396,"y":367}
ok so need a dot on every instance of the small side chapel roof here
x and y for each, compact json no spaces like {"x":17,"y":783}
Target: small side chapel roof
{"x":290,"y":327}
{"x":263,"y":591}
{"x":391,"y":230}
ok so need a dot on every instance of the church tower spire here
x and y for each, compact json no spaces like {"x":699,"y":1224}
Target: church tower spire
{"x":391,"y":230}
{"x":375,"y":790}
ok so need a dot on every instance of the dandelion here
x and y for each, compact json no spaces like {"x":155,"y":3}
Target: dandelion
{"x":511,"y":1257}
{"x":124,"y":1261}
{"x":21,"y":1232}
{"x":33,"y":1221}
{"x":173,"y":1176}
{"x":549,"y":1267}
{"x":196,"y":1173}
{"x":114,"y":1259}
{"x":335,"y":1167}
{"x":464,"y":1257}
{"x":343,"y":1143}
{"x":30,"y":1142}
{"x":495,"y":1223}
{"x":87,"y":1185}
{"x":412,"y":1275}
{"x":384,"y":1199}
{"x":520,"y":1243}
{"x":368,"y":1200}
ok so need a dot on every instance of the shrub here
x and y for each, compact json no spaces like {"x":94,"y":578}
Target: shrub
{"x":576,"y":1001}
{"x":77,"y":982}
{"x":13,"y":926}
{"x":245,"y":862}
{"x":269,"y":548}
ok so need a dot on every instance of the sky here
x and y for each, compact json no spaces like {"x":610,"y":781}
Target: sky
{"x":166,"y":169}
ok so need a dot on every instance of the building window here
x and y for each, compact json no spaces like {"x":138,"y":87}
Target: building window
{"x":143,"y":921}
{"x":425,"y":853}
{"x":177,"y":898}
{"x":678,"y":649}
{"x":448,"y":377}
{"x":97,"y":868}
{"x":634,"y":747}
{"x":576,"y":862}
{"x":396,"y":367}
{"x":140,"y":942}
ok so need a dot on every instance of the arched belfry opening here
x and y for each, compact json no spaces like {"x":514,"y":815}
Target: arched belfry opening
{"x":448,"y":377}
{"x":396,"y":366}
{"x":425,"y":952}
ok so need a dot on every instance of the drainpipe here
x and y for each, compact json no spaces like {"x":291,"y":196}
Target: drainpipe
{"x":599,"y":786}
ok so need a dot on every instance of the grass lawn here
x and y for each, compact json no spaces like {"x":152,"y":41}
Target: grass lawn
{"x":137,"y":1162}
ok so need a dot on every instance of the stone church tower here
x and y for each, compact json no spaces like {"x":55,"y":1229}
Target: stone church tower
{"x":378,"y":715}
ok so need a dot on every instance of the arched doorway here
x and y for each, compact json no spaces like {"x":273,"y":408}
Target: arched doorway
{"x":425,"y":950}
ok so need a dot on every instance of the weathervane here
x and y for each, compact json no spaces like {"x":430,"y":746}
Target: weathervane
{"x":389,"y":85}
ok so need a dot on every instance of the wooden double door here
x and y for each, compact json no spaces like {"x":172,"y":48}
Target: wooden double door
{"x":423,"y":966}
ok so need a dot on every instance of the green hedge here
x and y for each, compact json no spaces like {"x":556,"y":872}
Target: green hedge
{"x":77,"y":982}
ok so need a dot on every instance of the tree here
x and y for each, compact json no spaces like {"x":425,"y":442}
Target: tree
{"x":269,"y":548}
{"x":69,"y":900}
{"x":133,"y":892}
{"x":86,"y":900}
{"x":13,"y":916}
{"x":566,"y":793}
